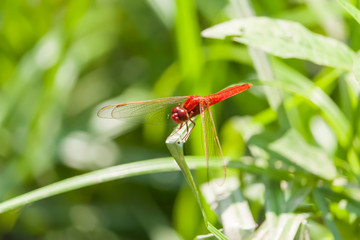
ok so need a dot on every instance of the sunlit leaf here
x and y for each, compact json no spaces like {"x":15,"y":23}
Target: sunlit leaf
{"x":285,"y":39}
{"x":311,"y":158}
{"x":231,"y":207}
{"x":295,"y":82}
{"x":285,"y":226}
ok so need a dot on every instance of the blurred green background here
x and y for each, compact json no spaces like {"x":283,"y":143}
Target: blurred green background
{"x":62,"y":60}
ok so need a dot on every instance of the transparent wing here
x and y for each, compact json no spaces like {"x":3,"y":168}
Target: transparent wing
{"x":148,"y":111}
{"x":214,"y":157}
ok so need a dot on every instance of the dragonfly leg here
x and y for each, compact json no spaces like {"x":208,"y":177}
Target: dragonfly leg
{"x":181,"y":125}
{"x":187,"y":129}
{"x":193,"y":125}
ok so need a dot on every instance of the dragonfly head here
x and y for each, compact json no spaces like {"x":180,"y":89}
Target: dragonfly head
{"x":179,"y":114}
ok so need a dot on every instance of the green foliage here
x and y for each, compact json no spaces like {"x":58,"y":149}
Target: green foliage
{"x":293,"y":138}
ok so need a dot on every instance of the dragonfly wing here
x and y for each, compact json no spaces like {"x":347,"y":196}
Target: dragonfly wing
{"x":148,"y":111}
{"x":214,"y":157}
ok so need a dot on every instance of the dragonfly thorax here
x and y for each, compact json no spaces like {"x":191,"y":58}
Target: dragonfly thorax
{"x":179,"y":114}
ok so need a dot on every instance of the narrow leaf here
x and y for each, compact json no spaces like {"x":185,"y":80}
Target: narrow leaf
{"x":285,"y":39}
{"x":293,"y":81}
{"x":175,"y":143}
{"x":288,"y":225}
{"x":231,"y":207}
{"x":326,"y":214}
{"x":297,"y":198}
{"x":284,"y":226}
{"x":89,"y":179}
{"x":353,"y":11}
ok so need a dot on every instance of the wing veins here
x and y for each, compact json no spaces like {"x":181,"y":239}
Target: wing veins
{"x":141,"y":109}
{"x":213,"y":153}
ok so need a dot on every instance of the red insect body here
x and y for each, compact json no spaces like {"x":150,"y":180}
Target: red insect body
{"x":185,"y":109}
{"x":191,"y":107}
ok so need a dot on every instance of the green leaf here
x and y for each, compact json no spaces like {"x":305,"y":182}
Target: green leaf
{"x":285,"y":226}
{"x":188,"y":41}
{"x":110,"y":174}
{"x":231,"y":207}
{"x":297,"y":198}
{"x":293,"y":81}
{"x":350,"y":203}
{"x":312,"y":159}
{"x":175,"y":143}
{"x":285,"y":39}
{"x":326,"y":214}
{"x":289,"y":224}
{"x":274,"y":199}
{"x":353,"y":11}
{"x":92,"y":178}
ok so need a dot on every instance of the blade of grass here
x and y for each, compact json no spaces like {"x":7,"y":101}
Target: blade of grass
{"x":326,"y":214}
{"x":289,"y":225}
{"x":275,"y":199}
{"x":113,"y":173}
{"x":286,"y":227}
{"x":297,"y":198}
{"x":175,"y":143}
{"x":92,"y":178}
{"x":231,"y":207}
{"x":294,"y":82}
{"x":353,"y":11}
{"x":188,"y":41}
{"x":351,"y":202}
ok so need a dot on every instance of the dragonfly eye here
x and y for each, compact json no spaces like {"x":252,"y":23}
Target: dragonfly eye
{"x":175,"y":109}
{"x":179,"y":114}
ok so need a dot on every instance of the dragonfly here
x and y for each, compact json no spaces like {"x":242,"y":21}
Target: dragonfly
{"x":182,"y":110}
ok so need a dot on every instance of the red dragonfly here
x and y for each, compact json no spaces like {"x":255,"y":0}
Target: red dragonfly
{"x":183,"y":110}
